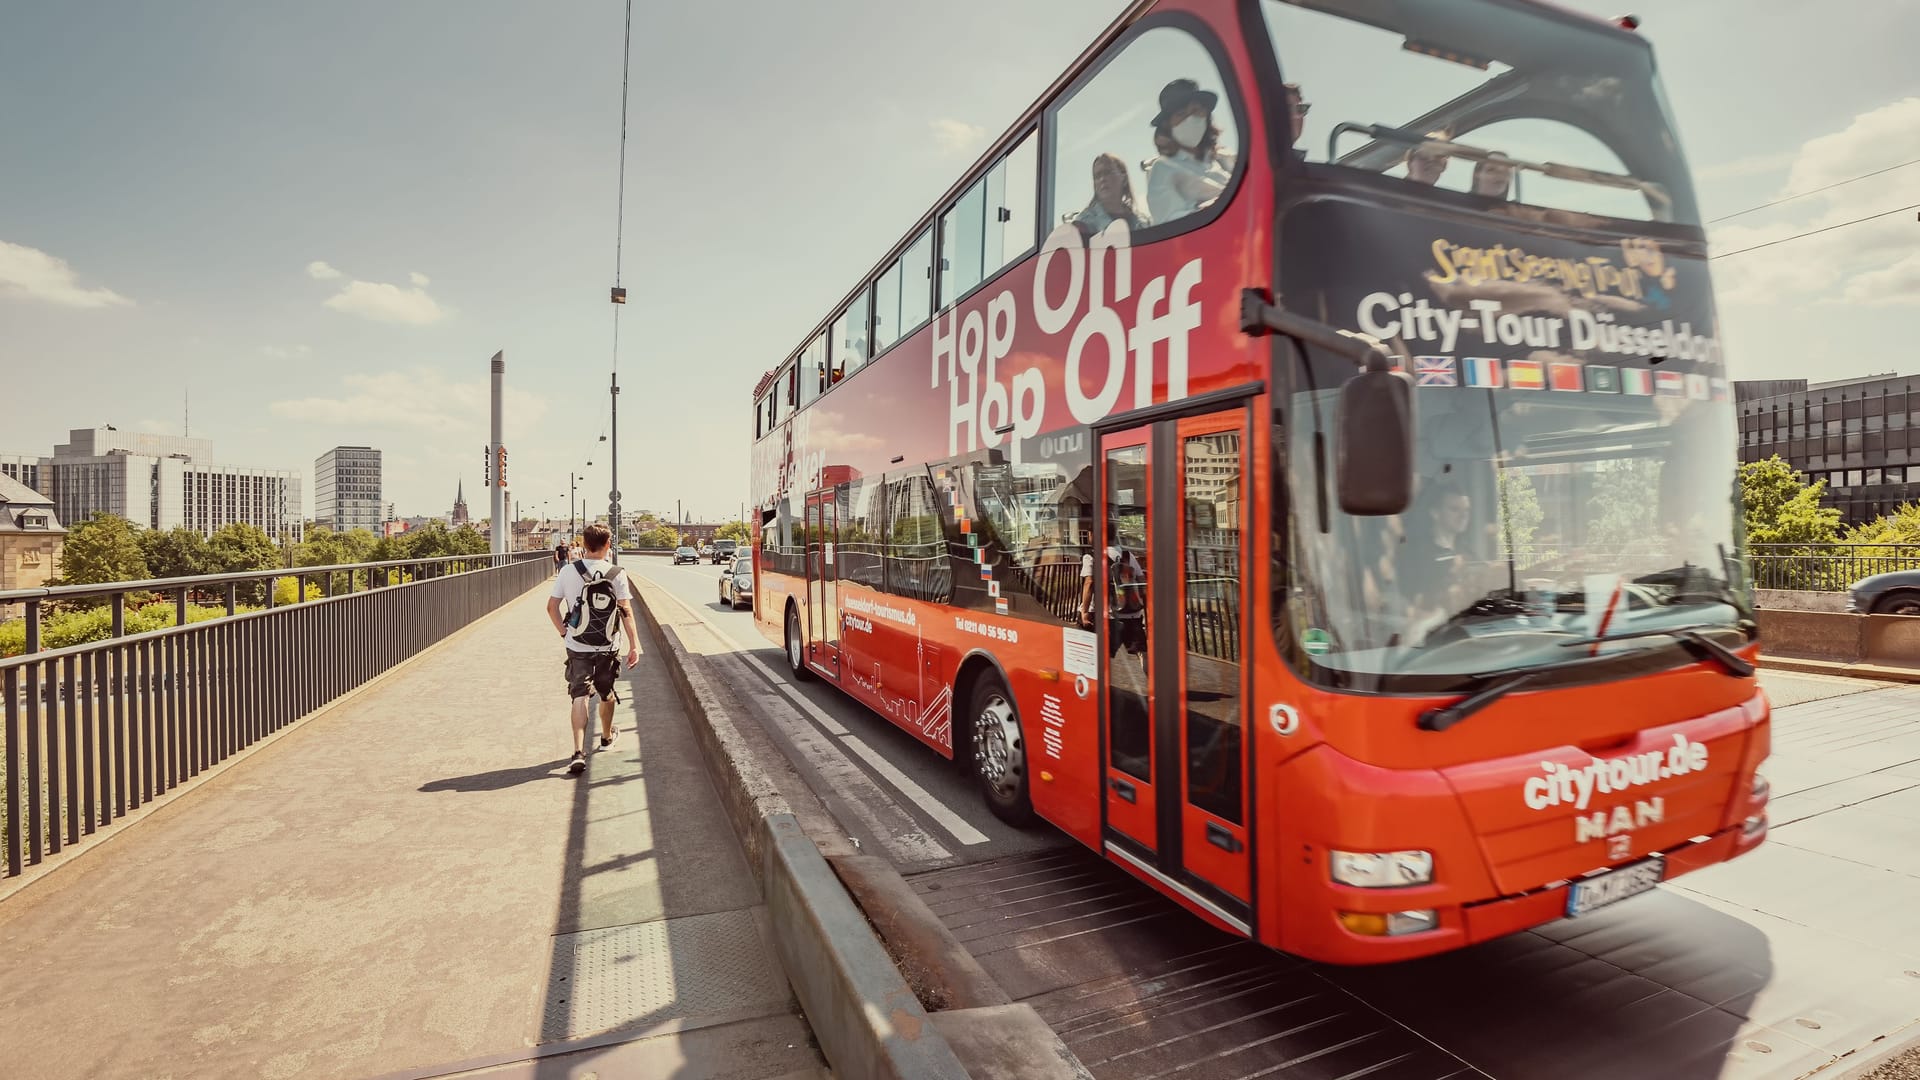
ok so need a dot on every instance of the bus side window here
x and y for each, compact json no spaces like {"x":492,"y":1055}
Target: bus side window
{"x":1149,"y":140}
{"x":813,"y":369}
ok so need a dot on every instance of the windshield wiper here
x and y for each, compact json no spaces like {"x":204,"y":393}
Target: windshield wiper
{"x":1690,"y":637}
{"x":1443,"y":717}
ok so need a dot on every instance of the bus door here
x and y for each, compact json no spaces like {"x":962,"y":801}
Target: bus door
{"x":1173,"y":497}
{"x":823,"y":601}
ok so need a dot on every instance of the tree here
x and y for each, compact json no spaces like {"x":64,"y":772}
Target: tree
{"x":238,"y":547}
{"x":1780,"y":507}
{"x":1900,"y":527}
{"x":733,"y":530}
{"x":356,"y":545}
{"x":176,"y":552}
{"x":467,"y":540}
{"x":658,"y":537}
{"x":1520,"y":513}
{"x":1626,"y":494}
{"x":101,"y":549}
{"x":429,"y":541}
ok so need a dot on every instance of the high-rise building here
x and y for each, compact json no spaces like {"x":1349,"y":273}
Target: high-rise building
{"x":346,"y":489}
{"x":1862,"y":436}
{"x":165,"y":481}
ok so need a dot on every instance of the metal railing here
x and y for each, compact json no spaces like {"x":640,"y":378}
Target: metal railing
{"x":94,"y":731}
{"x":1826,"y":567}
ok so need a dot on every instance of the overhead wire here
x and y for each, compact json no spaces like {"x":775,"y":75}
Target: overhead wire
{"x":1804,"y":194}
{"x":1815,"y":232}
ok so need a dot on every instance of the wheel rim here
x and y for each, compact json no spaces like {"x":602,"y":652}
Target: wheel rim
{"x":1906,"y":607}
{"x":793,"y":642}
{"x":996,"y":740}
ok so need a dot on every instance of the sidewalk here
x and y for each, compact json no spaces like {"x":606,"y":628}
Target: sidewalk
{"x":411,"y":884}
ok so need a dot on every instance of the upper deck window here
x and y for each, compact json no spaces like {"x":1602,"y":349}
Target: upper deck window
{"x":1500,"y":104}
{"x":1150,"y":139}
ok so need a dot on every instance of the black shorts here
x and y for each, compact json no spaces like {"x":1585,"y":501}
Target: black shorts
{"x":599,"y":668}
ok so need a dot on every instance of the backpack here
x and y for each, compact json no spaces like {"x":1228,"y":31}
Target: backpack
{"x":594,"y":619}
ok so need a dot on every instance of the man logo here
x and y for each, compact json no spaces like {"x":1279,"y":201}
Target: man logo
{"x":1619,"y":847}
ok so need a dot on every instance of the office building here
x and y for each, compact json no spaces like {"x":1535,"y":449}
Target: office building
{"x":346,"y":489}
{"x":166,"y":481}
{"x":1862,"y":436}
{"x":25,"y":469}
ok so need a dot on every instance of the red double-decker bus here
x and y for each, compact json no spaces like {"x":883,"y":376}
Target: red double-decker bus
{"x":1296,"y":461}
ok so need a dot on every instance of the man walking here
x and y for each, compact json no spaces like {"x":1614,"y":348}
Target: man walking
{"x":598,"y":605}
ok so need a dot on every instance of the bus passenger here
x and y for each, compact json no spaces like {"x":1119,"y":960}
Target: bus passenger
{"x":1194,"y":171}
{"x":1297,"y":109}
{"x":1426,"y":164}
{"x":1493,"y":177}
{"x":1112,"y":198}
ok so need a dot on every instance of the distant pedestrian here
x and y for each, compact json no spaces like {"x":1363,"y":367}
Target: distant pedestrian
{"x":561,"y":555}
{"x":591,"y":606}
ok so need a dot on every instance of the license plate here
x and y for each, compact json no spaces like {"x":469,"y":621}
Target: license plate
{"x":1614,"y":886}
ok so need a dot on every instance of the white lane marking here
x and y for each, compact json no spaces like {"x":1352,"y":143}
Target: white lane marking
{"x":881,"y":817}
{"x":940,"y":812}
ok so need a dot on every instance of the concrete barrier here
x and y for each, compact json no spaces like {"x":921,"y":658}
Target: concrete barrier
{"x":1892,"y":640}
{"x":870,"y":1021}
{"x":1819,"y":635}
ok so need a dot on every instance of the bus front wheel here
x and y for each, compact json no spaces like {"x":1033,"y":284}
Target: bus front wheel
{"x":999,"y":750}
{"x":796,"y":646}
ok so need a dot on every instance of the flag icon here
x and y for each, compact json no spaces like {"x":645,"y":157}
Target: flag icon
{"x":1719,"y":389}
{"x":1434,"y":371}
{"x":1669,"y":383}
{"x":1483,"y":371}
{"x":1000,"y":605}
{"x":1526,"y":375}
{"x":1562,"y":375}
{"x":1697,"y":387}
{"x":1636,"y":381}
{"x":1603,"y":379}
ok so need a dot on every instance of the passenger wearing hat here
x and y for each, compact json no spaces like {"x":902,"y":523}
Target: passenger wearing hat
{"x":1193,"y":170}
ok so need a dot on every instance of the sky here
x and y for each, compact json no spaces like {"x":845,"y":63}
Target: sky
{"x":318,"y":222}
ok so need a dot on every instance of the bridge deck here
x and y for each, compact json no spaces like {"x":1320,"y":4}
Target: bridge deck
{"x":411,"y":881}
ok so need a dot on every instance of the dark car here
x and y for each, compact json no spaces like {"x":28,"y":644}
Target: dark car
{"x":725,"y":550}
{"x":1895,"y":593}
{"x":684,"y":553}
{"x":736,"y":585}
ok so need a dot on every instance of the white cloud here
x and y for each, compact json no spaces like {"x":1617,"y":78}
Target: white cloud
{"x":420,"y":400}
{"x":32,"y":274}
{"x":1753,"y":165}
{"x":383,"y":302}
{"x":1896,"y":284}
{"x":957,"y":138}
{"x":1885,"y":136}
{"x":320,"y":271}
{"x":419,"y":279}
{"x":1858,"y":263}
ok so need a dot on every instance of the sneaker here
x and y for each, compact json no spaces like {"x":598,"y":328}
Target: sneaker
{"x":606,"y":740}
{"x":578,"y":765}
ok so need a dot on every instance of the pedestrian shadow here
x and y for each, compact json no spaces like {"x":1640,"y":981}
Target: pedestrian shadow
{"x":501,"y":779}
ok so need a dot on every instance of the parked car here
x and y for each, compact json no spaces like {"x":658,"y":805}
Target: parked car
{"x":736,"y":585}
{"x":725,"y":550}
{"x":1893,"y":593}
{"x":684,"y":553}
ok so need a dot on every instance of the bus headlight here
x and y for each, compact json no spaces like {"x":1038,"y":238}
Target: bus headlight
{"x":1381,"y":869}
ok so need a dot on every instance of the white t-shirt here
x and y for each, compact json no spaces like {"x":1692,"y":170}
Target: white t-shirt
{"x":568,"y":585}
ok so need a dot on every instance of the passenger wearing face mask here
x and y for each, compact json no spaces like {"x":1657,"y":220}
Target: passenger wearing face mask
{"x":1193,"y":170}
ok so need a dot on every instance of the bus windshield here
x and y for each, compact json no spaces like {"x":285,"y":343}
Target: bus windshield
{"x":1573,"y":439}
{"x":1488,"y":99}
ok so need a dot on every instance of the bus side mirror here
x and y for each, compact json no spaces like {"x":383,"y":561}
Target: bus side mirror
{"x":1373,"y":460}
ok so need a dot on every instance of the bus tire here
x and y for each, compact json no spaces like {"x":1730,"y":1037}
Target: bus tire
{"x":796,"y":647}
{"x":999,"y":749}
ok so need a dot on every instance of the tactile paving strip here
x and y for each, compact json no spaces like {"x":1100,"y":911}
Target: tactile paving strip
{"x":636,"y":975}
